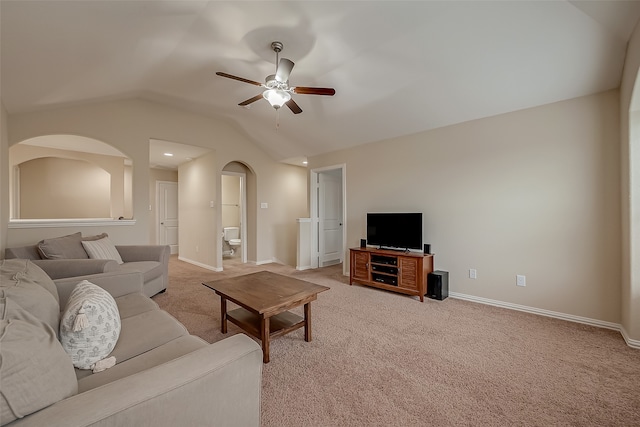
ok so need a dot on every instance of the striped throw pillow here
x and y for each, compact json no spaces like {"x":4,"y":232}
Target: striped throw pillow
{"x":102,"y":249}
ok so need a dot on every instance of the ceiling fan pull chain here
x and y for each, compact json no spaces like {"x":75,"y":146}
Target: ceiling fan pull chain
{"x":277,"y":119}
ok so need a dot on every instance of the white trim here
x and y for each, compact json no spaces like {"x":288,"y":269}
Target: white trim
{"x":157,"y":214}
{"x":243,"y":212}
{"x":554,"y":314}
{"x":264,"y":262}
{"x":199,"y":264}
{"x":71,"y":222}
{"x":15,"y":206}
{"x":630,"y":342}
{"x":313,"y":192}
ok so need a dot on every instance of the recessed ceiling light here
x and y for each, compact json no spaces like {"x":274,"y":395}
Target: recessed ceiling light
{"x":168,"y":154}
{"x":304,"y":162}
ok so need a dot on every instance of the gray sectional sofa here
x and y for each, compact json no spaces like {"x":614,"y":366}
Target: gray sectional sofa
{"x":66,"y":256}
{"x":162,"y":377}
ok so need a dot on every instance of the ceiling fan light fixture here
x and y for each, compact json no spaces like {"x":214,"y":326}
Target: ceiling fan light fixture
{"x":276,"y":97}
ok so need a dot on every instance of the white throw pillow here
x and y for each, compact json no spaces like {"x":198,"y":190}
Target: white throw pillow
{"x":102,"y":249}
{"x":90,"y":325}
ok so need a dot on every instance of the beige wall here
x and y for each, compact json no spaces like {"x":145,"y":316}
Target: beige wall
{"x":231,"y":207}
{"x":197,"y":189}
{"x":52,"y":187}
{"x":128,"y":125}
{"x":630,"y":176}
{"x":287,"y":204}
{"x":533,"y":192}
{"x":4,"y":178}
{"x":64,"y":176}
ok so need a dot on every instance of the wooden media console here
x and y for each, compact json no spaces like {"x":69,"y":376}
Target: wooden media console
{"x":403,"y":272}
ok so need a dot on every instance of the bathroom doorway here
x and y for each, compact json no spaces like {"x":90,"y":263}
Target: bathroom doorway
{"x":234,"y":217}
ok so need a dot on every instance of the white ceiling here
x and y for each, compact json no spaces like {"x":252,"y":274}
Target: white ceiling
{"x":397,"y":67}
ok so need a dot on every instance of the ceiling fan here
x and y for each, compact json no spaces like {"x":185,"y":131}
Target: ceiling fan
{"x":277,"y":90}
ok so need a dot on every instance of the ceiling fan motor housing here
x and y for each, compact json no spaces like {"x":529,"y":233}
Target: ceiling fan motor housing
{"x":277,"y":46}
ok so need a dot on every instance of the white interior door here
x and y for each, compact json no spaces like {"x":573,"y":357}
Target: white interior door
{"x":168,"y":215}
{"x":330,"y":217}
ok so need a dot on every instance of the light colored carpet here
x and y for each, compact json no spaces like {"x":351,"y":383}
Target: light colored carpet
{"x":383,"y":359}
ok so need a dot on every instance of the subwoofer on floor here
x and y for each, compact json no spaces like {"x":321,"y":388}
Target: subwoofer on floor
{"x":438,"y":285}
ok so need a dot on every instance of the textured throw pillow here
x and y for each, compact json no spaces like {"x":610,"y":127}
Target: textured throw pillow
{"x":30,"y":287}
{"x":35,"y":370}
{"x":102,"y":249}
{"x":96,"y":237}
{"x":65,"y":247}
{"x":90,"y":325}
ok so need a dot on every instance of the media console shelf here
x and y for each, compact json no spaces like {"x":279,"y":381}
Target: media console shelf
{"x":404,"y":272}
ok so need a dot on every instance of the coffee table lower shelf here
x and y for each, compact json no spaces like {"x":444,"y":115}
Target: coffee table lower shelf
{"x":280,"y":324}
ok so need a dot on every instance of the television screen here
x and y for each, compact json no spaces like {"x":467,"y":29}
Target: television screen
{"x":395,"y":230}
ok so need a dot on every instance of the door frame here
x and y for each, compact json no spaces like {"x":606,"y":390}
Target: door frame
{"x":157,"y":215}
{"x":314,"y":205}
{"x":243,"y":213}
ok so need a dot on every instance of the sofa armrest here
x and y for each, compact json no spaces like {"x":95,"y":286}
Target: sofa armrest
{"x":116,"y":283}
{"x":133,"y":253}
{"x":218,"y":384}
{"x":60,"y":268}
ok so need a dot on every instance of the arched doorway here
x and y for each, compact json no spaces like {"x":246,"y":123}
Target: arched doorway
{"x":237,"y":214}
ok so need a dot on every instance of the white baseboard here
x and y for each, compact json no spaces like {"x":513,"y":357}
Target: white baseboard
{"x":630,"y":342}
{"x":303,"y":267}
{"x":555,"y":314}
{"x":199,"y":264}
{"x":268,"y":261}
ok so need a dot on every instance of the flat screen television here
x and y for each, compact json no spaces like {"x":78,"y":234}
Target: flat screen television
{"x":395,"y":230}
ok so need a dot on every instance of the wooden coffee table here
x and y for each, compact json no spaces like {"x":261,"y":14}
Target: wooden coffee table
{"x":264,"y":298}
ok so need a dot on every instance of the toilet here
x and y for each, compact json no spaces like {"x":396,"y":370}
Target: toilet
{"x":231,"y":235}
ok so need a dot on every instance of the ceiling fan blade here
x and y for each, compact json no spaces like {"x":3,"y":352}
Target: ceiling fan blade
{"x":229,"y":76}
{"x":250,"y":100}
{"x":314,"y":90}
{"x":293,"y":106}
{"x":284,"y":69}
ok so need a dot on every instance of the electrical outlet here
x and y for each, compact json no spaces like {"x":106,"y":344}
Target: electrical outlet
{"x":473,"y":274}
{"x":521,"y":280}
{"x":197,"y":248}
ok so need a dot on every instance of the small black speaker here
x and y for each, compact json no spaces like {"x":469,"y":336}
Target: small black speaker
{"x":363,"y":243}
{"x":438,"y":285}
{"x":427,"y":249}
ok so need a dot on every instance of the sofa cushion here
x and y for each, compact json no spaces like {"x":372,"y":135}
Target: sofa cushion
{"x":90,"y":325}
{"x":29,"y":287}
{"x":135,"y":303}
{"x":101,"y":249}
{"x":65,"y":247}
{"x":146,"y":331}
{"x":149,"y":269}
{"x":35,"y":370}
{"x":24,"y":252}
{"x":157,"y":356}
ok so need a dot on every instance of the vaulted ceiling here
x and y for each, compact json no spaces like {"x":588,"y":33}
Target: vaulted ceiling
{"x":397,"y":67}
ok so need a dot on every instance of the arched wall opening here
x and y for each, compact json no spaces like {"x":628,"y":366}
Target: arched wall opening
{"x":69,"y":177}
{"x":245,"y":213}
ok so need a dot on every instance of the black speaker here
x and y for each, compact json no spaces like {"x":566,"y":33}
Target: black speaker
{"x":427,"y":249}
{"x":363,"y":243}
{"x":438,"y":285}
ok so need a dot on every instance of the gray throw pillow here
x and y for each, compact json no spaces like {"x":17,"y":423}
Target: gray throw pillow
{"x":65,"y":247}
